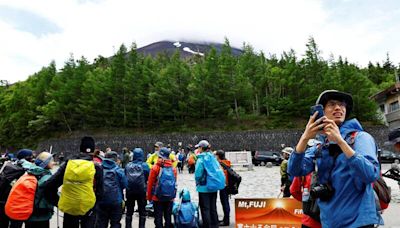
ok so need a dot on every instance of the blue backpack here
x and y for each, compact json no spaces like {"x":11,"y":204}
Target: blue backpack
{"x":165,"y":189}
{"x":187,"y":216}
{"x":111,"y":186}
{"x":180,"y":157}
{"x":215,"y":177}
{"x":136,"y":179}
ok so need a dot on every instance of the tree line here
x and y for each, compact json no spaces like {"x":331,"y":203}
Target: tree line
{"x":130,"y":90}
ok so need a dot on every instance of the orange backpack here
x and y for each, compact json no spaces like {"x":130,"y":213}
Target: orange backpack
{"x":191,"y":160}
{"x":21,"y":200}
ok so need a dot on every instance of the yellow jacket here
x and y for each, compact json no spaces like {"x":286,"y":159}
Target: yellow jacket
{"x":154,"y":158}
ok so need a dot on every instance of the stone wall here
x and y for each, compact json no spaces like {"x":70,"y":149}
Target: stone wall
{"x":229,"y":141}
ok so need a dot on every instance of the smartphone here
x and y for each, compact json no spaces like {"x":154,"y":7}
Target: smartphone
{"x":318,"y":108}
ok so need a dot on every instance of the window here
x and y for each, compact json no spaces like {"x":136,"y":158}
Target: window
{"x":394,"y":106}
{"x":382,"y":107}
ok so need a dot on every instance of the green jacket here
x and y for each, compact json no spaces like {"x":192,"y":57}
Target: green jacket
{"x":43,"y":210}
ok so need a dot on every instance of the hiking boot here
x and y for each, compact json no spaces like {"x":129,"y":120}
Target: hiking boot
{"x":128,"y":222}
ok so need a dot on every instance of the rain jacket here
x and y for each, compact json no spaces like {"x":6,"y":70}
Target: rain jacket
{"x":43,"y":209}
{"x":153,"y":178}
{"x":353,"y":203}
{"x":227,"y":163}
{"x":138,"y":157}
{"x":200,"y":171}
{"x":109,"y":164}
{"x":153,"y":159}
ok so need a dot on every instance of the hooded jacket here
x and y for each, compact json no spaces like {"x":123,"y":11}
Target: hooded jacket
{"x":109,"y":164}
{"x":153,"y":178}
{"x":353,"y":203}
{"x":200,"y":171}
{"x":138,"y":158}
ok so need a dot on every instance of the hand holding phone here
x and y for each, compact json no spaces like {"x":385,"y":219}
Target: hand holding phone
{"x":318,"y":108}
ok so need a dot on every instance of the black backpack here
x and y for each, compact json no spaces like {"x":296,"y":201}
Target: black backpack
{"x":136,"y":179}
{"x":8,"y":173}
{"x":234,"y":180}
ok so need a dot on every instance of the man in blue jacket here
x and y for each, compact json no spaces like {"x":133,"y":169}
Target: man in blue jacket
{"x":109,"y":208}
{"x":346,"y":164}
{"x":137,"y":172}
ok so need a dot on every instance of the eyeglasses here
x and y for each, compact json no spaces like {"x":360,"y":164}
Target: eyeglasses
{"x":332,"y":104}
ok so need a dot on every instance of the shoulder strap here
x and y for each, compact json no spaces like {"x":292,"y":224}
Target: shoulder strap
{"x":4,"y":165}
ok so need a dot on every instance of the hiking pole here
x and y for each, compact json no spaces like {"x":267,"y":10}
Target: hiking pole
{"x":58,"y":224}
{"x":279,"y":195}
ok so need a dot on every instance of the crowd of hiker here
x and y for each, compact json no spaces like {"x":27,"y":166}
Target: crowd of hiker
{"x":98,"y":187}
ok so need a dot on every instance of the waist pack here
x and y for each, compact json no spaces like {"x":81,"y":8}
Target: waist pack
{"x":20,"y":202}
{"x":165,"y":189}
{"x":9,"y":173}
{"x":215,"y":177}
{"x":135,"y":175}
{"x":186,"y":216}
{"x":77,"y":194}
{"x":234,"y":180}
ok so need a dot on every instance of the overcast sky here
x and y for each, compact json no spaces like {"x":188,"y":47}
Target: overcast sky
{"x":33,"y":33}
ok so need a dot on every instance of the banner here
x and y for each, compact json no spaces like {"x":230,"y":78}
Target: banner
{"x":268,"y":213}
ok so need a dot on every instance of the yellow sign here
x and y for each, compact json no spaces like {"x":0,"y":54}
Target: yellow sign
{"x":268,"y":213}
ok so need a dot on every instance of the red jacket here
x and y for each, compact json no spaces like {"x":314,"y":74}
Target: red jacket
{"x":154,"y":172}
{"x":296,"y":189}
{"x":227,"y":163}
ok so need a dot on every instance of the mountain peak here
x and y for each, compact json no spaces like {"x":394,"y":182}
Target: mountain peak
{"x":187,"y":49}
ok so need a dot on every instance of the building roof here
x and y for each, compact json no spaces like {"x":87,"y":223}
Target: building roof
{"x":388,"y":91}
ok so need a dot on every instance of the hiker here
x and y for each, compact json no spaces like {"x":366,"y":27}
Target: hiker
{"x":137,"y":172}
{"x":209,"y":179}
{"x":191,"y":161}
{"x":223,"y":194}
{"x":109,"y":208}
{"x":186,"y":213}
{"x":11,"y":172}
{"x":43,"y":210}
{"x":82,"y":181}
{"x":153,"y":158}
{"x":161,"y":188}
{"x":181,"y":157}
{"x":125,"y":157}
{"x":346,"y":164}
{"x":285,"y":176}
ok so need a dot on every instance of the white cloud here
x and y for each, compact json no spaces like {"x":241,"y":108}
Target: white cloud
{"x":92,"y":28}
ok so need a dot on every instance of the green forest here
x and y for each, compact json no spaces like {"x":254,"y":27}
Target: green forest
{"x":218,"y":91}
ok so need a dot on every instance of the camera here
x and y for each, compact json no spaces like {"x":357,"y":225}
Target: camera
{"x":322,"y":191}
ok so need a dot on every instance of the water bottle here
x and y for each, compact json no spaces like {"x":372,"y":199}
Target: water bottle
{"x":306,"y":195}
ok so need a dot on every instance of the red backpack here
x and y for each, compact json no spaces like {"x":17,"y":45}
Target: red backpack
{"x":382,"y":191}
{"x":21,"y":200}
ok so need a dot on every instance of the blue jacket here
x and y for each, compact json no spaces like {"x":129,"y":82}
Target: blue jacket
{"x":138,"y":157}
{"x":353,"y":203}
{"x":122,"y":181}
{"x":200,"y":173}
